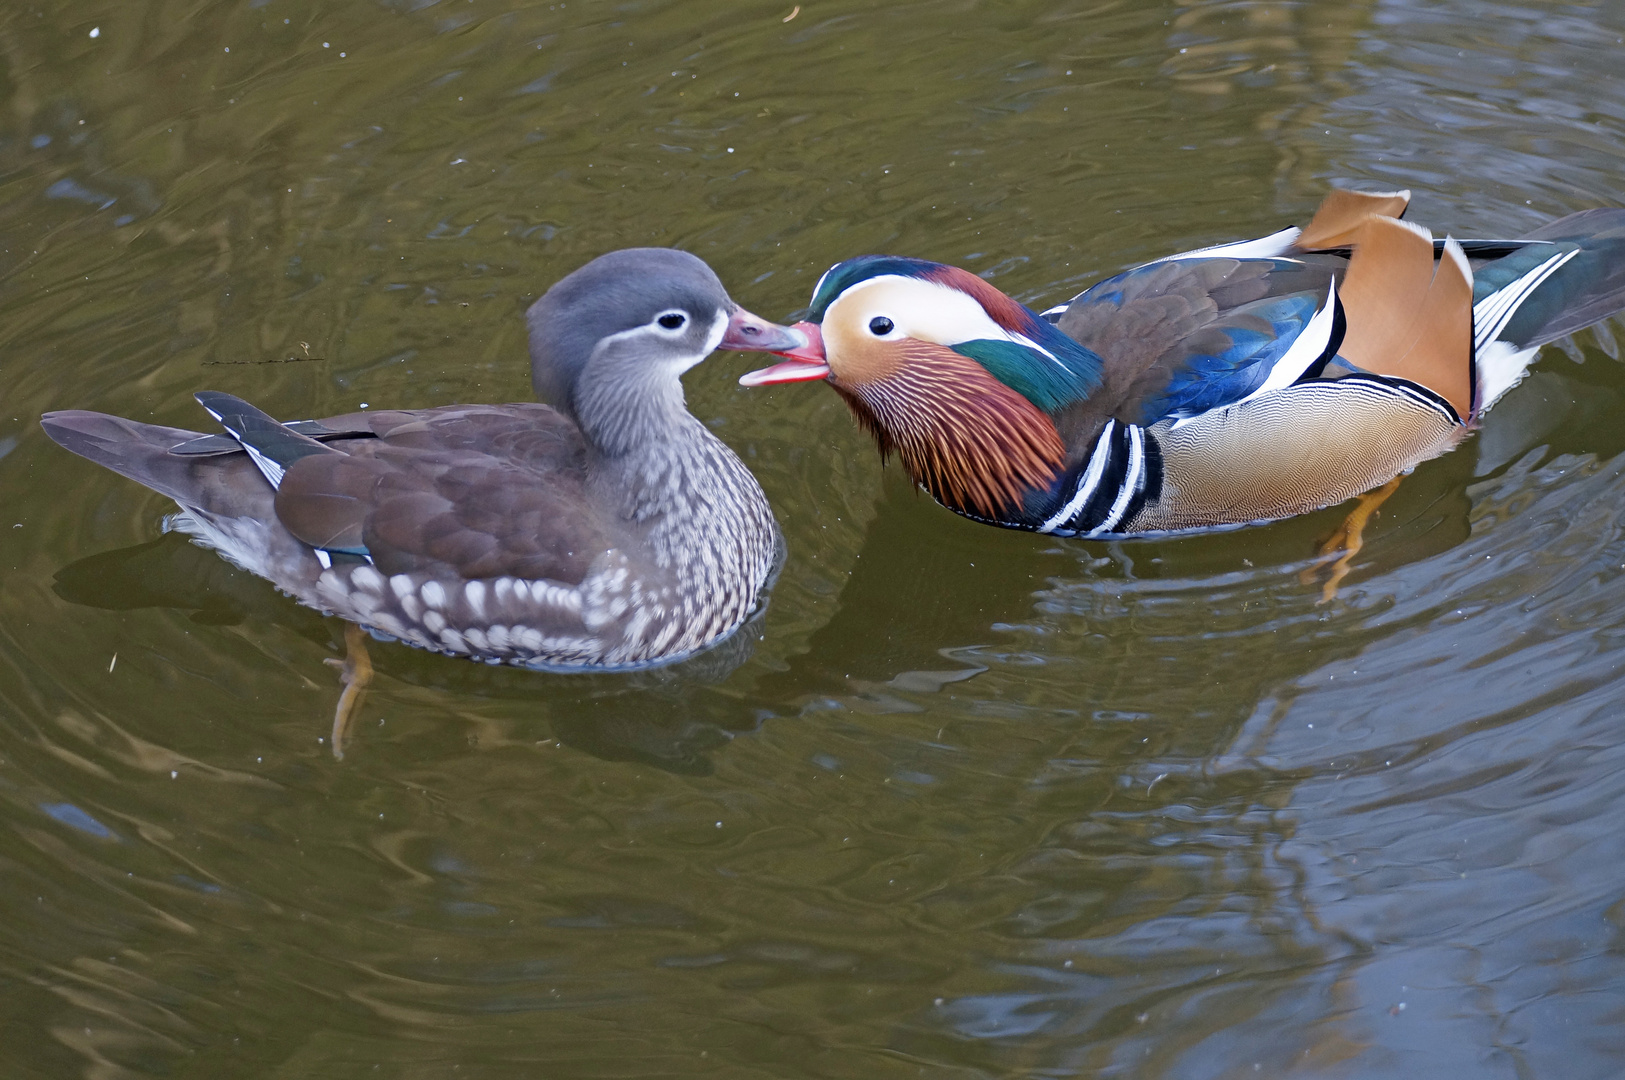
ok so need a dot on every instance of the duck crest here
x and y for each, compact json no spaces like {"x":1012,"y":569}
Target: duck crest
{"x":1028,"y":354}
{"x":978,"y":446}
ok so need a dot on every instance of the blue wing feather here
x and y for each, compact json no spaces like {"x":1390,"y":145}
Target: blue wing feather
{"x":1200,"y":334}
{"x":1215,"y":377}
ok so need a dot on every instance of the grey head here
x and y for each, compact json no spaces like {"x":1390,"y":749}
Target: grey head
{"x":609,"y":341}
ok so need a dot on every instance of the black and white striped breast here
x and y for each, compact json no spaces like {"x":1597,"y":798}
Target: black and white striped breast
{"x":1107,"y":490}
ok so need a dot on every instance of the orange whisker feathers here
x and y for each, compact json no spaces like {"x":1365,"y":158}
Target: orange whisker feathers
{"x":975,"y":444}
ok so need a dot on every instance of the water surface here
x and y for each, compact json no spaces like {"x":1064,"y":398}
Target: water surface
{"x":977,"y":803}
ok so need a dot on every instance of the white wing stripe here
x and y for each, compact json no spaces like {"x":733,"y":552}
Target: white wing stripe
{"x":1488,"y":312}
{"x":1310,"y":343}
{"x":269,"y":469}
{"x":1303,"y":351}
{"x":1265,"y":247}
{"x":1492,"y":314}
{"x":1086,"y":486}
{"x":272,"y":472}
{"x":1131,"y":482}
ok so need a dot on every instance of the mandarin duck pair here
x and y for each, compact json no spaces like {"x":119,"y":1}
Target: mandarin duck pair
{"x":612,"y":530}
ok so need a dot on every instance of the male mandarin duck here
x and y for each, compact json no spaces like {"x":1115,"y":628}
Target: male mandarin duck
{"x":610,"y":531}
{"x":1235,"y":384}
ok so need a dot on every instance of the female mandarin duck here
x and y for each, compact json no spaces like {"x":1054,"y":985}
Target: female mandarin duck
{"x":610,"y":531}
{"x":1225,"y":386}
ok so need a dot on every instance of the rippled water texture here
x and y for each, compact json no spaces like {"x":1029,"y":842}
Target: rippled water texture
{"x":979,"y":804}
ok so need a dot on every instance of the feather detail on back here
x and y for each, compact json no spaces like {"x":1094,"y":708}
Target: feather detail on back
{"x":1406,"y":319}
{"x":974,"y":443}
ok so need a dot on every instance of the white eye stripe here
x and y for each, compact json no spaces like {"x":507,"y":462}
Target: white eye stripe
{"x":921,"y":309}
{"x":664,"y":339}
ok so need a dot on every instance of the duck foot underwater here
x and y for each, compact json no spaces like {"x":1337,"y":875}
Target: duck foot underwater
{"x":1346,"y":540}
{"x":355,"y":672}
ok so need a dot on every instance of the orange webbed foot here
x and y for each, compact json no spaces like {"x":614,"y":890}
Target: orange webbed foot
{"x":355,"y":672}
{"x":1348,"y":539}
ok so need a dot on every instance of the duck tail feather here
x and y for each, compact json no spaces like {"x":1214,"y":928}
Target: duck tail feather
{"x":272,"y":445}
{"x":132,"y":449}
{"x":1573,"y":279}
{"x":1566,"y":276}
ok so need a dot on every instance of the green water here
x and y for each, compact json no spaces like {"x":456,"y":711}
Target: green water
{"x":978,"y":804}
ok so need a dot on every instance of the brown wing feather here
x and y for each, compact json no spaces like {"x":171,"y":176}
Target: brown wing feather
{"x":1155,"y":319}
{"x":324,"y":499}
{"x":1342,"y":213}
{"x":1160,"y":308}
{"x":1406,"y":319}
{"x":1383,"y":292}
{"x":1442,"y":357}
{"x":472,"y":492}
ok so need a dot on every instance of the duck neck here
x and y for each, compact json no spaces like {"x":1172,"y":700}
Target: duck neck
{"x":662,"y":471}
{"x":626,"y":414}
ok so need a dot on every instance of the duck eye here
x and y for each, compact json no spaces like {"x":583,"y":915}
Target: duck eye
{"x":880,"y":326}
{"x":671,"y":320}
